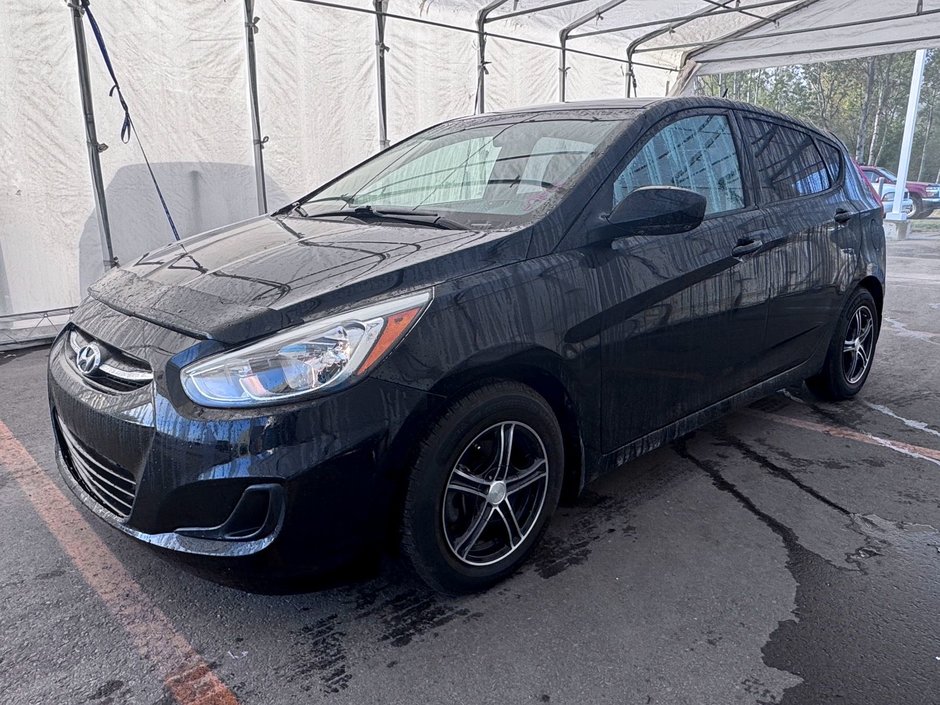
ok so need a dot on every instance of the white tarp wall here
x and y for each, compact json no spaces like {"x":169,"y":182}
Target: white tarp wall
{"x":182,"y":67}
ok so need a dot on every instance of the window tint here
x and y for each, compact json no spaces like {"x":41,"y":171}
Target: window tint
{"x":696,"y":153}
{"x":788,"y":163}
{"x":833,"y":157}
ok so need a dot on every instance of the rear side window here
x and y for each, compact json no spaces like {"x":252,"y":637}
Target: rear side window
{"x":833,"y":158}
{"x":788,"y":163}
{"x":696,"y":153}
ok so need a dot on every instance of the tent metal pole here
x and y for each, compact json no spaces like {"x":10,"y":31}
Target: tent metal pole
{"x":380,"y":7}
{"x":907,"y":141}
{"x":628,"y":77}
{"x":562,"y":65}
{"x":565,"y":34}
{"x":257,"y":141}
{"x":481,"y":53}
{"x":91,"y":136}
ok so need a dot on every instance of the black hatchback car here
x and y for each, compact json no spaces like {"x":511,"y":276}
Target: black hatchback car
{"x":429,"y":350}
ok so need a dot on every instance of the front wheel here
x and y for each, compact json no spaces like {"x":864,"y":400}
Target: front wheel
{"x":919,"y":212}
{"x":849,"y":358}
{"x":486,"y":480}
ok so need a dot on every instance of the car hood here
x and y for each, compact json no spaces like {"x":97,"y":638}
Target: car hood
{"x":258,"y":276}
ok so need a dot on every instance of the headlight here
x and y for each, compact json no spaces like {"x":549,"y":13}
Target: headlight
{"x":316,"y":356}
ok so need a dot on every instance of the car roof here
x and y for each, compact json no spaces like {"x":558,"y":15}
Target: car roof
{"x":607,"y":104}
{"x":665,"y":106}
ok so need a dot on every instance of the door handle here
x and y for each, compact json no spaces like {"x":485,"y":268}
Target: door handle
{"x":843,"y":216}
{"x":746,"y":245}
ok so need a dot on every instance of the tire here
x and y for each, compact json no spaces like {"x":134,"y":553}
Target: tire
{"x":845,"y":370}
{"x":919,"y":212}
{"x":462,"y":533}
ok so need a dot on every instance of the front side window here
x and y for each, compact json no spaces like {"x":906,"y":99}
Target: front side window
{"x":788,"y":163}
{"x":696,"y":153}
{"x":491,"y":171}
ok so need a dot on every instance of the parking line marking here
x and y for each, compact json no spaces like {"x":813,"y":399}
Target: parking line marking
{"x":188,"y":677}
{"x":910,"y":423}
{"x":931,"y":455}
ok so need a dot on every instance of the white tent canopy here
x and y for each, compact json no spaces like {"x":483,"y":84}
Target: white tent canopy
{"x":331,"y":82}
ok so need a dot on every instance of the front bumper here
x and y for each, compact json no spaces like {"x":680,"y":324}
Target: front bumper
{"x":317,"y":477}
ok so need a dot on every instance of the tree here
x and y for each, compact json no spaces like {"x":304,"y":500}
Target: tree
{"x":862,"y":101}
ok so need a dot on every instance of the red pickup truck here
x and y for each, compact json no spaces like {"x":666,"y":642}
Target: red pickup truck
{"x":926,"y":197}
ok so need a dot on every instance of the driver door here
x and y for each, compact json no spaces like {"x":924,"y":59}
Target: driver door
{"x":684,"y":314}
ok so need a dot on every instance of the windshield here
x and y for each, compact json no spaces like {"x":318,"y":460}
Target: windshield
{"x":486,"y":172}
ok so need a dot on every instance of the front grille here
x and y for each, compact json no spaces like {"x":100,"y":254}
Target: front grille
{"x":111,"y":486}
{"x":117,"y":372}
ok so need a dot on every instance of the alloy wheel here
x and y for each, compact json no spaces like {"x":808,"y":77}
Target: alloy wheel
{"x":495,"y":493}
{"x":858,"y":345}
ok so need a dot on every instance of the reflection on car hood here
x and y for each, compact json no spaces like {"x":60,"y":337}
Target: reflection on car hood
{"x":260,"y":275}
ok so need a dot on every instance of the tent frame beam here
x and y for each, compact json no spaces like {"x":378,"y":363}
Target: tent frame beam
{"x":565,"y":34}
{"x":789,"y":32}
{"x":680,"y":18}
{"x":533,"y":10}
{"x":493,"y":35}
{"x":743,"y":11}
{"x":843,"y":47}
{"x":710,"y":11}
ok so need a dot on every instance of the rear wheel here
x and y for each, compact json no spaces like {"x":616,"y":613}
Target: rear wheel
{"x":485,"y":483}
{"x":849,"y":358}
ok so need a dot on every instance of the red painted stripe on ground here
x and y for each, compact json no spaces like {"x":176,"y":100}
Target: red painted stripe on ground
{"x":187,"y":676}
{"x":930,"y":454}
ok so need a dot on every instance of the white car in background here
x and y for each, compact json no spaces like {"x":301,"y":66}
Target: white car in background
{"x":887,"y":202}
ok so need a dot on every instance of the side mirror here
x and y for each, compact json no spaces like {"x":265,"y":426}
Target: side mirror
{"x":655,"y":210}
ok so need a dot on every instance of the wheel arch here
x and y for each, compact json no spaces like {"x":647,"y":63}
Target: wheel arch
{"x":539,"y":369}
{"x":549,"y":378}
{"x":874,"y":286}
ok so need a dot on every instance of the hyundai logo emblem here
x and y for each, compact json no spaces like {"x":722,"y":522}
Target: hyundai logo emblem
{"x":88,"y":359}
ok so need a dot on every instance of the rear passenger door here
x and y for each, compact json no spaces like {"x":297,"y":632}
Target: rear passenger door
{"x":810,"y":240}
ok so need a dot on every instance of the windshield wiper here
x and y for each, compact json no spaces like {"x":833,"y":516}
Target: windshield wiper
{"x":298,"y":206}
{"x":413,"y":217}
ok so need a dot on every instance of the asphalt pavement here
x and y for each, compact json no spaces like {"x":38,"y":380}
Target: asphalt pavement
{"x":788,"y":553}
